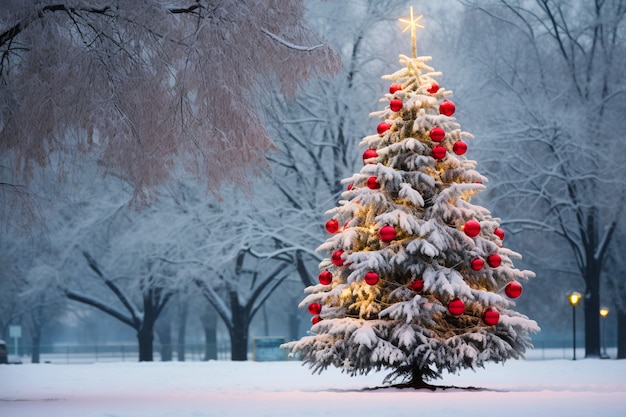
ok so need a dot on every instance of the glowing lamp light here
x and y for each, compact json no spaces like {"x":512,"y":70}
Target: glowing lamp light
{"x":603,"y":313}
{"x":574,"y":298}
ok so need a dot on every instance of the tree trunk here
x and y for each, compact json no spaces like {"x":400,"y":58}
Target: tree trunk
{"x":183,"y":309}
{"x":239,"y":330}
{"x":145,"y":338}
{"x":164,"y":331}
{"x":209,"y":325}
{"x":294,"y":322}
{"x":239,"y":343}
{"x":592,"y":311}
{"x":35,"y":354}
{"x":621,"y":334}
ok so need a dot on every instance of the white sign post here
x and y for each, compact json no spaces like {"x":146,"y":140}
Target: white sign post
{"x":15,"y":332}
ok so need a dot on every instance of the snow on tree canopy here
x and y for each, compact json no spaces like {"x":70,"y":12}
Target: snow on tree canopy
{"x":414,"y":330}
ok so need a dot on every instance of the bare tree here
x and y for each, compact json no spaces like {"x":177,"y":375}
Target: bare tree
{"x":240,"y":293}
{"x":555,"y":124}
{"x":318,"y":133}
{"x":154,"y":296}
{"x":146,"y":85}
{"x":105,"y":254}
{"x":616,"y":285}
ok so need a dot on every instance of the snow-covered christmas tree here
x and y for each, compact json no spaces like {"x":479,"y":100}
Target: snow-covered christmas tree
{"x":417,"y":279}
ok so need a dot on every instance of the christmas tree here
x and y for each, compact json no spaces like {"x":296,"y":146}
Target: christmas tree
{"x":417,"y":279}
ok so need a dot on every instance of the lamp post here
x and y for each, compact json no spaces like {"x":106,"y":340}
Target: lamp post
{"x":574,"y":297}
{"x":603,"y":313}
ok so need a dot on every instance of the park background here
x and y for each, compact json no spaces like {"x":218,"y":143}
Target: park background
{"x":96,"y":263}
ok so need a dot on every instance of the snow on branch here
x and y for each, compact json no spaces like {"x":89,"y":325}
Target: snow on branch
{"x":291,"y":45}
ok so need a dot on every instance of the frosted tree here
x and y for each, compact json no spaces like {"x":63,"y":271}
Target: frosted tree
{"x":417,"y":279}
{"x":553,"y":81}
{"x":148,"y":86}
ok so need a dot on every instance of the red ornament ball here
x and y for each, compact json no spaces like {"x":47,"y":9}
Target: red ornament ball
{"x":336,"y":257}
{"x":499,"y":232}
{"x":371,"y":278}
{"x":439,"y":152}
{"x":372,"y":182}
{"x":369,"y":154}
{"x":315,"y":308}
{"x":387,"y":233}
{"x":477,"y":264}
{"x":394,"y":87}
{"x":417,"y":285}
{"x":494,"y":260}
{"x":491,"y":316}
{"x":447,"y":108}
{"x":513,"y":289}
{"x":325,"y":277}
{"x":456,"y":307}
{"x":332,"y":226}
{"x":437,"y":134}
{"x":395,"y":104}
{"x":433,"y":88}
{"x":459,"y":147}
{"x":349,"y":187}
{"x":383,"y":127}
{"x":316,"y":320}
{"x":471,"y":228}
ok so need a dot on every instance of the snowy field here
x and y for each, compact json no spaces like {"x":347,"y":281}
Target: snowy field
{"x":589,"y":388}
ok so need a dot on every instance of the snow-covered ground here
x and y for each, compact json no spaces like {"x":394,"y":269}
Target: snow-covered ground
{"x":198,"y":389}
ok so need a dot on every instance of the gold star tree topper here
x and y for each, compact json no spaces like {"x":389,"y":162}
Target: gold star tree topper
{"x":413,"y":24}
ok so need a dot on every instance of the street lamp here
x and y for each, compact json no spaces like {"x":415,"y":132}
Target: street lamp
{"x":574,"y":297}
{"x":603,"y":313}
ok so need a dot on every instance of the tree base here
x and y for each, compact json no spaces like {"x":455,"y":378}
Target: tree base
{"x":421,"y":385}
